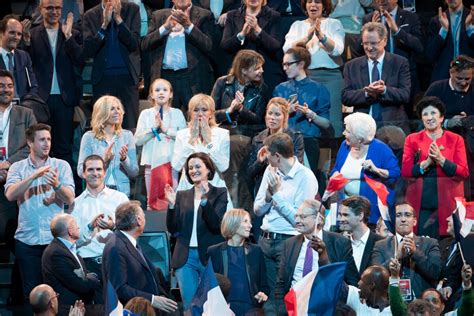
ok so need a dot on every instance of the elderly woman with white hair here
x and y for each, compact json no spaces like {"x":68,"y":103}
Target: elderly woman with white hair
{"x":362,"y":155}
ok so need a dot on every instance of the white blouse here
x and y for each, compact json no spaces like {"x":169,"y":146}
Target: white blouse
{"x":320,"y":58}
{"x":157,"y":152}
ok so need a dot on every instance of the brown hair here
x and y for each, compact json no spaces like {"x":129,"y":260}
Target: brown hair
{"x":244,"y":60}
{"x":327,"y":7}
{"x":206,"y":160}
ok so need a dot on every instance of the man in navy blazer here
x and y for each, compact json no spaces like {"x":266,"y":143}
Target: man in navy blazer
{"x":56,"y":52}
{"x":450,"y":34}
{"x":125,"y":265}
{"x":25,"y":79}
{"x":378,"y":83}
{"x":404,"y":34}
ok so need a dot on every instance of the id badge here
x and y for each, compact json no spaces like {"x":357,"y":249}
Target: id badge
{"x":405,"y":290}
{"x":3,"y":153}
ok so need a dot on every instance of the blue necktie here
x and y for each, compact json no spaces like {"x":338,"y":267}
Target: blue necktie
{"x":308,"y":260}
{"x":376,"y":107}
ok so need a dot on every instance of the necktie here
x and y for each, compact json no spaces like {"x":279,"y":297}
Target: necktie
{"x":375,"y":107}
{"x":390,"y":39}
{"x":455,"y":29}
{"x":10,"y":62}
{"x":308,"y":260}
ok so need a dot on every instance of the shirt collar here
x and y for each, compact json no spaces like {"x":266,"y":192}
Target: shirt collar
{"x":69,"y":245}
{"x":105,"y":191}
{"x":5,"y":52}
{"x":400,"y":237}
{"x":318,"y":234}
{"x":393,"y":13}
{"x":46,"y":163}
{"x":130,"y":237}
{"x":293,"y":170}
{"x":362,"y":239}
{"x":452,"y":87}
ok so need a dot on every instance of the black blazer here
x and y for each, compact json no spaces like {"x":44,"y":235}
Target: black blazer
{"x":367,"y":255}
{"x":179,"y":222}
{"x":58,"y":265}
{"x":128,"y":35}
{"x":254,"y":263}
{"x":425,"y":262}
{"x":20,"y":119}
{"x":69,"y":64}
{"x":440,"y":52}
{"x":198,"y":46}
{"x":23,"y":69}
{"x":123,"y":266}
{"x":339,"y":250}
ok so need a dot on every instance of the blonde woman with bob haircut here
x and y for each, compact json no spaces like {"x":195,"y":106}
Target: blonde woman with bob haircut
{"x":362,"y":155}
{"x":242,"y":262}
{"x":114,"y":144}
{"x":202,"y":135}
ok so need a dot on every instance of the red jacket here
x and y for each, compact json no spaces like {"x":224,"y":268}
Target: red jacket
{"x":449,"y":185}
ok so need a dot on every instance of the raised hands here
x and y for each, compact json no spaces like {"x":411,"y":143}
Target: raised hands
{"x":205,"y":131}
{"x":170,"y":195}
{"x":237,"y":103}
{"x":78,"y":309}
{"x":67,"y":26}
{"x":443,"y":18}
{"x":392,"y":24}
{"x":26,"y":23}
{"x":123,"y":152}
{"x":435,"y":154}
{"x":394,"y":267}
{"x":274,"y":181}
{"x":182,"y":16}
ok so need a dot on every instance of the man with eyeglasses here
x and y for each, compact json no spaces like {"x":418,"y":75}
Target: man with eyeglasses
{"x":378,"y":83}
{"x":44,"y":301}
{"x":312,"y":247}
{"x":56,"y":53}
{"x":419,"y":256}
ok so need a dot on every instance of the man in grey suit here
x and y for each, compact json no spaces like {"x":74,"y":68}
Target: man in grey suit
{"x":14,"y":120}
{"x":420,"y":256}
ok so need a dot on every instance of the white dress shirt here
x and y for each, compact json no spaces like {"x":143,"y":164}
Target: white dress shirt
{"x":296,"y":186}
{"x":358,"y":247}
{"x":353,"y":300}
{"x":86,"y":207}
{"x":298,"y":273}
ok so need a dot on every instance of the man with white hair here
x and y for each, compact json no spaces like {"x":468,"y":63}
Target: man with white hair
{"x":378,"y":83}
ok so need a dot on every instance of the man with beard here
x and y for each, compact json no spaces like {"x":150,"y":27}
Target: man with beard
{"x":94,"y":211}
{"x":41,"y":186}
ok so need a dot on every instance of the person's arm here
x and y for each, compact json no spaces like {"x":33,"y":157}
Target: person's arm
{"x":94,"y":35}
{"x":230,"y":42}
{"x":428,"y":263}
{"x":182,"y":150}
{"x":199,"y":35}
{"x":413,"y":38}
{"x":130,"y":164}
{"x":220,"y":151}
{"x":255,"y":167}
{"x":130,"y":35}
{"x":268,"y":37}
{"x":65,"y":188}
{"x":397,"y":304}
{"x":143,"y":133}
{"x":16,"y":184}
{"x":458,"y":165}
{"x":261,"y":206}
{"x":436,"y":42}
{"x":173,"y":217}
{"x":294,"y":35}
{"x":334,"y":43}
{"x":156,"y":33}
{"x":352,"y":94}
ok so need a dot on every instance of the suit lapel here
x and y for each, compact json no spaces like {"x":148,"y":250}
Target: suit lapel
{"x":69,"y":254}
{"x":45,"y":39}
{"x":133,"y":251}
{"x":386,"y":67}
{"x":364,"y":72}
{"x":367,"y":252}
{"x":295,"y":252}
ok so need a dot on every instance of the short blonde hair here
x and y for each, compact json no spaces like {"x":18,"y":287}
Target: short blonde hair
{"x":283,"y":105}
{"x":362,"y":126}
{"x":231,"y":222}
{"x":198,"y":99}
{"x":101,"y":114}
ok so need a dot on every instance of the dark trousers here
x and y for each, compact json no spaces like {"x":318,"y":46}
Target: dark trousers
{"x":124,"y":89}
{"x":311,"y":147}
{"x":93,"y":266}
{"x":62,"y":129}
{"x":29,"y":262}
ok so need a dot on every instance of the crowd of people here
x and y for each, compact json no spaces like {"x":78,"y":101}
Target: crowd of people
{"x":242,"y":97}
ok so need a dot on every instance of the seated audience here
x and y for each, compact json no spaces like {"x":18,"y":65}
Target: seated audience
{"x":51,"y":181}
{"x":450,"y":34}
{"x":179,"y":43}
{"x":434,"y":165}
{"x":242,"y":263}
{"x":301,"y":254}
{"x":111,"y":33}
{"x":126,"y":266}
{"x":256,"y":26}
{"x":45,"y":302}
{"x":202,"y":135}
{"x":419,"y":256}
{"x":114,"y":144}
{"x":16,"y":61}
{"x":194,"y":217}
{"x":286,"y":183}
{"x":309,"y":102}
{"x":353,"y":217}
{"x":140,"y":307}
{"x":419,"y":307}
{"x":378,"y":83}
{"x":62,"y":267}
{"x":362,"y":155}
{"x":324,"y":38}
{"x":156,"y":132}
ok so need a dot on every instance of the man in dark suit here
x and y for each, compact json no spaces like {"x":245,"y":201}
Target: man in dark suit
{"x":404,"y":34}
{"x":450,"y":34}
{"x":419,"y":256}
{"x":15,"y":60}
{"x":124,"y":264}
{"x":179,"y":43}
{"x":63,"y":269}
{"x":378,"y":83}
{"x":300,"y":252}
{"x":112,"y":38}
{"x":56,"y":52}
{"x":353,"y":217}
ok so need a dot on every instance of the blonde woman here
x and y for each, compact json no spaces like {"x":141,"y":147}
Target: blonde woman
{"x":108,"y":140}
{"x":202,"y":135}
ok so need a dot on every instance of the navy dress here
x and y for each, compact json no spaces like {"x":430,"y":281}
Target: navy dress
{"x":240,"y":299}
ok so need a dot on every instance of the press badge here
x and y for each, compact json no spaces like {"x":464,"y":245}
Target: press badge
{"x":405,"y":289}
{"x":3,"y":153}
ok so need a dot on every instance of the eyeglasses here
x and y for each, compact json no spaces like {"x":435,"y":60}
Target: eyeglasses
{"x":406,"y":214}
{"x":51,"y":8}
{"x":303,"y":216}
{"x":52,"y":297}
{"x":371,"y":44}
{"x":289,"y":63}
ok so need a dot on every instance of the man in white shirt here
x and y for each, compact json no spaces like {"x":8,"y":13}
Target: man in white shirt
{"x":94,"y":211}
{"x":353,"y":217}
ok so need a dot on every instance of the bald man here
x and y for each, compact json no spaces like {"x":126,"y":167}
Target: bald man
{"x":63,"y":268}
{"x":44,"y":301}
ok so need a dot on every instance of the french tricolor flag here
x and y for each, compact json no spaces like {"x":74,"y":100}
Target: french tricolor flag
{"x":209,"y":300}
{"x":113,"y":307}
{"x":382,"y":195}
{"x":336,"y":182}
{"x":464,"y":217}
{"x":317,"y":293}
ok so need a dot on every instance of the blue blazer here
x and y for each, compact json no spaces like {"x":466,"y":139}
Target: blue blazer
{"x":23,"y":70}
{"x":382,"y":156}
